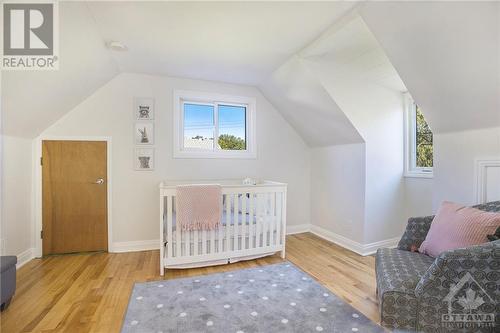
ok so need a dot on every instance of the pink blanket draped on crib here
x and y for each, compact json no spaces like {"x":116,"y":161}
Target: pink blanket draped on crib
{"x":198,"y":207}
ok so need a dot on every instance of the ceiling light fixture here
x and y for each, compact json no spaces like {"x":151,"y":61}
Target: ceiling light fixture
{"x":116,"y":46}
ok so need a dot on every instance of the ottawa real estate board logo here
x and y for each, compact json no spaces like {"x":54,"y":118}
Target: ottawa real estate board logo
{"x":30,"y":38}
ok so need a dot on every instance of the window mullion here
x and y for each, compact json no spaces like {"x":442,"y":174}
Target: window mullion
{"x":216,"y":126}
{"x":414,"y":135}
{"x":181,"y":127}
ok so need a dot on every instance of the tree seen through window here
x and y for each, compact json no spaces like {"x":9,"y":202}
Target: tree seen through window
{"x":424,"y":148}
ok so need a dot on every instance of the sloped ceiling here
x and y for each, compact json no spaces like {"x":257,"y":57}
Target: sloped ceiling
{"x":236,"y":42}
{"x":307,"y":106}
{"x":240,"y":42}
{"x":447,"y":53}
{"x":33,"y":100}
{"x":353,"y":69}
{"x":329,"y":89}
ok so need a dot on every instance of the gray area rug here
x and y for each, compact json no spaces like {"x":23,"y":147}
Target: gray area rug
{"x":273,"y":298}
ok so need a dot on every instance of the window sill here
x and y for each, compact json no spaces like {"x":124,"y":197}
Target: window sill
{"x":417,"y":174}
{"x":215,"y":155}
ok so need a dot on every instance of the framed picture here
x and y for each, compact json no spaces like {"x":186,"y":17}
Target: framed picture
{"x":144,"y":108}
{"x":144,"y":159}
{"x":144,"y":133}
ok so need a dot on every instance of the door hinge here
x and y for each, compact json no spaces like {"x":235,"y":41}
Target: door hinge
{"x":41,"y":160}
{"x":41,"y":234}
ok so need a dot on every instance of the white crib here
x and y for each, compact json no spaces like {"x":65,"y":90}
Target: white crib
{"x":253,"y":225}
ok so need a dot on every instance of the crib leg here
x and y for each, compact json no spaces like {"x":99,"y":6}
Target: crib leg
{"x":283,"y":253}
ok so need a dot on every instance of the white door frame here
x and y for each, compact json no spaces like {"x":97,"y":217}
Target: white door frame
{"x":37,"y":169}
{"x":480,"y":170}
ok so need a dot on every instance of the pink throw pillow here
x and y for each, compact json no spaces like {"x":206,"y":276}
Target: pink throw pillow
{"x":456,"y":226}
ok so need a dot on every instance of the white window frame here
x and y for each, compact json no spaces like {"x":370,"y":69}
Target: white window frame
{"x":410,"y":133}
{"x":206,"y":98}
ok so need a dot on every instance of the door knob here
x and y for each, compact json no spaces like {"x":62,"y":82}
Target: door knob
{"x":99,"y":181}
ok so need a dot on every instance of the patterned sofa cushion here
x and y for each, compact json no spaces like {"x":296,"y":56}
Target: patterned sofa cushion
{"x":398,"y":273}
{"x":399,"y":270}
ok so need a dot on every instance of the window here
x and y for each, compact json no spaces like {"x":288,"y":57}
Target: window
{"x":213,"y":126}
{"x":419,"y":142}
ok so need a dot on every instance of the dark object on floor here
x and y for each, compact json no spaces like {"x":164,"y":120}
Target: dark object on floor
{"x":495,"y":236}
{"x":7,"y":280}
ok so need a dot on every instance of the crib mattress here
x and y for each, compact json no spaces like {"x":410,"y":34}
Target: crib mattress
{"x":243,"y":219}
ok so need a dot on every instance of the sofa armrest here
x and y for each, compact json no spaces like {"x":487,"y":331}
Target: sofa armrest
{"x":456,"y":276}
{"x":416,"y":230}
{"x":481,"y":261}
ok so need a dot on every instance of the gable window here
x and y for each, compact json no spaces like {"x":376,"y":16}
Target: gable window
{"x":418,"y":142}
{"x":213,"y":126}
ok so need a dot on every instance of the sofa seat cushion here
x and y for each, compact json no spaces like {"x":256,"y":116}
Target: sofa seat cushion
{"x":398,"y":273}
{"x":6,"y":262}
{"x":399,"y":270}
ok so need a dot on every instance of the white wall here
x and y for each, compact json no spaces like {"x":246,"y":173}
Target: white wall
{"x":418,"y":196}
{"x":354,"y":70}
{"x":338,"y":189}
{"x":16,"y":182}
{"x":377,"y":113}
{"x":454,"y":162}
{"x":282,"y":154}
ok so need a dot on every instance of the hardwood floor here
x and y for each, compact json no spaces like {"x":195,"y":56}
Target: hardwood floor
{"x":89,"y":292}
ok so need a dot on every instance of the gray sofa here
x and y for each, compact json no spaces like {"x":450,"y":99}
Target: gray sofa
{"x":420,"y":293}
{"x":7,"y":280}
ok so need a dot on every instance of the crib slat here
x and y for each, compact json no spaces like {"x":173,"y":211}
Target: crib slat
{"x":212,"y":241}
{"x":221,"y":226}
{"x":273,"y":218}
{"x":228,"y":223}
{"x":236,"y":222}
{"x":266,"y":220}
{"x":279,"y":207}
{"x":244,"y":226}
{"x":183,"y":235}
{"x":178,"y":240}
{"x":251,"y":226}
{"x":203,"y":242}
{"x":169,"y":227}
{"x":258,"y":215}
{"x":195,"y":241}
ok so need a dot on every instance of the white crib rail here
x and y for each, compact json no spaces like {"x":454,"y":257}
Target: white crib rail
{"x":253,"y":225}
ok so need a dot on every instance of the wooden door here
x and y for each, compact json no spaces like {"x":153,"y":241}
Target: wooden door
{"x":74,"y":190}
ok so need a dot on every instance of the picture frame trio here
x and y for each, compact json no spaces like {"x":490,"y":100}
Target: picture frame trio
{"x":144,"y":134}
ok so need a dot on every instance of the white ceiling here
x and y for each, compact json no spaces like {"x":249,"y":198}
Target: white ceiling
{"x":353,"y":69}
{"x":232,"y":42}
{"x":237,"y":42}
{"x":307,"y":106}
{"x":448,"y":55}
{"x":33,"y":100}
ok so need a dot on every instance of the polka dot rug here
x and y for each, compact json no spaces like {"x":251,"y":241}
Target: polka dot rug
{"x":273,"y":298}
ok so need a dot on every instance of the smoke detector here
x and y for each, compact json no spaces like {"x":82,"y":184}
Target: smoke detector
{"x":116,"y":46}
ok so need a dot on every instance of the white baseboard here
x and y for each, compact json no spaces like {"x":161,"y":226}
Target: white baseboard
{"x":362,"y":249}
{"x":134,"y":246}
{"x":25,"y":257}
{"x":297,"y":229}
{"x":371,"y":248}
